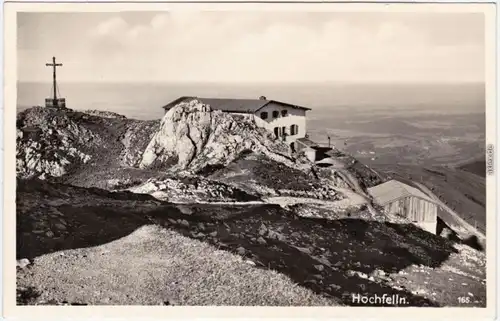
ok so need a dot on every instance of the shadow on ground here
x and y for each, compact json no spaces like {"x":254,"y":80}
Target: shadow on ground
{"x":321,"y":254}
{"x":325,"y":256}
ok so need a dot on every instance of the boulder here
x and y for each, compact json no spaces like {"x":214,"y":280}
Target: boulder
{"x":22,"y":263}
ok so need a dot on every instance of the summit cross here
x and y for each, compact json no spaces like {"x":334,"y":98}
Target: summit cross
{"x":54,"y":65}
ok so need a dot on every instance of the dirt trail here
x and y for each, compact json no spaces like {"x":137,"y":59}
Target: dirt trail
{"x":358,"y":192}
{"x":355,"y":196}
{"x":352,"y":200}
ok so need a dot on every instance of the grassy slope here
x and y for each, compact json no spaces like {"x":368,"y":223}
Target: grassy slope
{"x":462,"y":191}
{"x":333,"y":259}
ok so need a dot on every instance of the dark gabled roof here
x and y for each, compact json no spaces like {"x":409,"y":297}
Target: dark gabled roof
{"x":177,"y":101}
{"x":232,"y":105}
{"x":393,"y":190}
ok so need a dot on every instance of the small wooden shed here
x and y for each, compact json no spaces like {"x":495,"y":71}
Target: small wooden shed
{"x":399,"y":198}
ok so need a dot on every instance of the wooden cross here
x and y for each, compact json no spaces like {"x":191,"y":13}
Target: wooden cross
{"x":54,"y":65}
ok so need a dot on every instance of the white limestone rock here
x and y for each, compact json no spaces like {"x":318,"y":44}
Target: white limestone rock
{"x":192,"y":136}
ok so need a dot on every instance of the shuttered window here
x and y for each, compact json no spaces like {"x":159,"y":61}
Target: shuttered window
{"x":277,"y":131}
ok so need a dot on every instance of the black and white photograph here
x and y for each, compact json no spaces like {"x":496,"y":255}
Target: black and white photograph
{"x":293,"y":158}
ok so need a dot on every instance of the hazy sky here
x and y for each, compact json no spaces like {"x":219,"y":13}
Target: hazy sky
{"x":253,"y":46}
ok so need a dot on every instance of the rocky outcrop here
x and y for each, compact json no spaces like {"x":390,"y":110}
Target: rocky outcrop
{"x":49,"y":142}
{"x":55,"y":143}
{"x":135,"y":140}
{"x":231,"y":153}
{"x":192,"y":136}
{"x":104,"y":114}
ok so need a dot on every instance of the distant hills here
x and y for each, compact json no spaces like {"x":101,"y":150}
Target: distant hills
{"x":477,"y":167}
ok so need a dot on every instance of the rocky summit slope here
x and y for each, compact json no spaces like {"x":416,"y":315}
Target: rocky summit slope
{"x":218,"y":205}
{"x":192,"y":136}
{"x":90,"y":147}
{"x":191,"y":142}
{"x":63,"y":143}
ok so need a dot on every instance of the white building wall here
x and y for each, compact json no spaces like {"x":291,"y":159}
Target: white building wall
{"x":294,"y":116}
{"x":430,"y":227}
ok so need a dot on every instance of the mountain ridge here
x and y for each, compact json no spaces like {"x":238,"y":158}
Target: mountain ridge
{"x":89,"y":180}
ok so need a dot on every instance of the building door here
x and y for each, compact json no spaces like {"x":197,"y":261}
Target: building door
{"x":292,"y":147}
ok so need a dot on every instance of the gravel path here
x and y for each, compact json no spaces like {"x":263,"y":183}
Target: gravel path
{"x":155,"y":266}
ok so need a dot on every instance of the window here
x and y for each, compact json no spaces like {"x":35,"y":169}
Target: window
{"x":276,"y":114}
{"x":284,"y":113}
{"x":283,"y":131}
{"x":294,"y":130}
{"x":277,"y":132}
{"x":263,"y":115}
